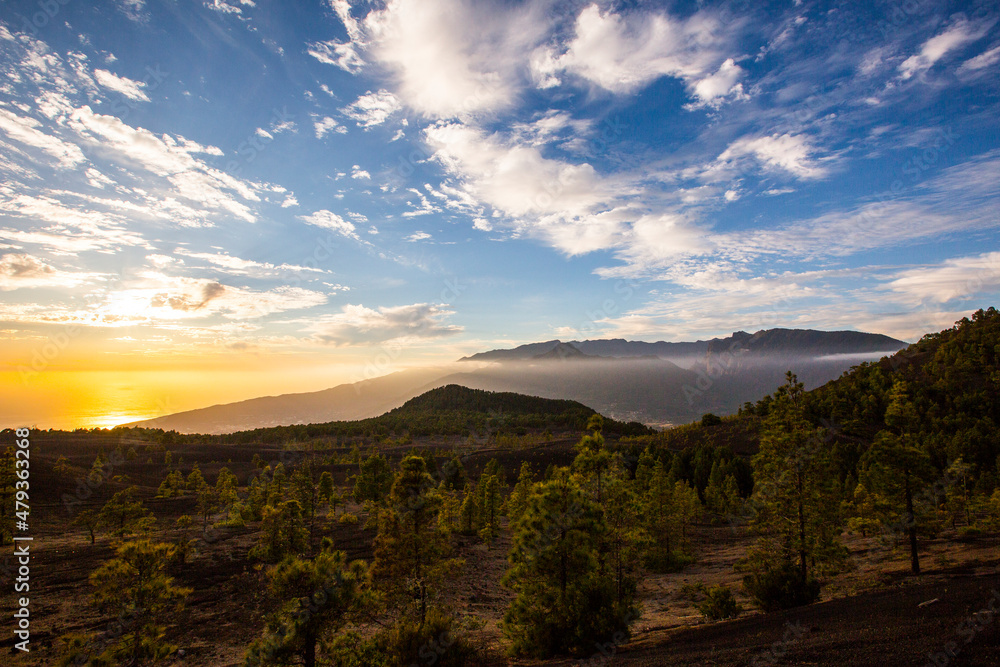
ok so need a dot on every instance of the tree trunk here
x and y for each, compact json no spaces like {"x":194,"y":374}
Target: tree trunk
{"x":310,"y":649}
{"x":911,"y":526}
{"x":802,"y":533}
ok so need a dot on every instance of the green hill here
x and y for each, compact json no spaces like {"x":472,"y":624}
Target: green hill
{"x":444,"y":411}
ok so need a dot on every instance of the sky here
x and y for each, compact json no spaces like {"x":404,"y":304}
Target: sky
{"x":209,"y":201}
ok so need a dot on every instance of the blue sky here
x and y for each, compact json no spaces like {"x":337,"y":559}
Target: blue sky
{"x":326,"y":181}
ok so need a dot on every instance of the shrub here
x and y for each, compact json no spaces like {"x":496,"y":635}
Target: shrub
{"x":709,"y":419}
{"x":665,"y":562}
{"x":719,"y":603}
{"x":409,"y":642}
{"x":969,"y":531}
{"x":347,"y":518}
{"x":350,"y":649}
{"x":780,"y":588}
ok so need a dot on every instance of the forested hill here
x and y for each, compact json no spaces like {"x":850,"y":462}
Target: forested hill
{"x":456,"y":398}
{"x":448,"y":410}
{"x":477,"y":409}
{"x":951,"y":379}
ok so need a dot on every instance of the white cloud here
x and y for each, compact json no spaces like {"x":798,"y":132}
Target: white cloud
{"x":787,"y":152}
{"x":418,"y":236}
{"x":960,"y":33}
{"x":245,"y":267}
{"x":372,"y":109}
{"x":622,"y":53}
{"x":163,"y":298}
{"x":97,"y":179}
{"x":713,"y":89}
{"x":119,"y":84}
{"x":19,"y":270}
{"x":425,"y":208}
{"x":289,"y":201}
{"x":68,"y":229}
{"x":170,"y":158}
{"x":357,"y":324}
{"x":449,"y":58}
{"x":168,"y":301}
{"x":342,"y":55}
{"x":225,"y":8}
{"x":24,"y":130}
{"x":359,"y":173}
{"x":981,"y":62}
{"x":133,"y":9}
{"x":327,"y":124}
{"x":329,"y":220}
{"x":955,"y":278}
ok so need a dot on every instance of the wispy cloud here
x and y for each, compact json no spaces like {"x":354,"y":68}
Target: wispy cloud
{"x":360,"y":325}
{"x":958,"y":34}
{"x":372,"y":109}
{"x":122,"y":85}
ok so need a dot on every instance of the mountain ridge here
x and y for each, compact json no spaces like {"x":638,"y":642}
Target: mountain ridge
{"x":639,"y":386}
{"x":793,"y":341}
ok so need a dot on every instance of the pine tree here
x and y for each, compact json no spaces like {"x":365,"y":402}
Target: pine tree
{"x":562,"y":604}
{"x":593,"y":461}
{"x":644,"y":470}
{"x":277,"y":486}
{"x":184,"y":544}
{"x":283,"y":532}
{"x":208,"y":502}
{"x":518,"y":500}
{"x":795,"y":492}
{"x":897,"y":468}
{"x":411,"y":550}
{"x":625,"y":538}
{"x":226,"y":486}
{"x":307,"y":493}
{"x":319,"y":596}
{"x":123,"y":514}
{"x":135,"y":589}
{"x":470,"y":511}
{"x":490,"y":511}
{"x":195,"y":480}
{"x":374,"y":479}
{"x":172,"y":486}
{"x":89,"y":520}
{"x":256,"y":499}
{"x":453,"y":474}
{"x":326,"y":487}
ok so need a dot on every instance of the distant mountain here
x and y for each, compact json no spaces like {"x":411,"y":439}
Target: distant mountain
{"x":788,"y":342}
{"x":794,"y":342}
{"x":655,"y":383}
{"x":564,"y":351}
{"x":358,"y":400}
{"x":612,"y":347}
